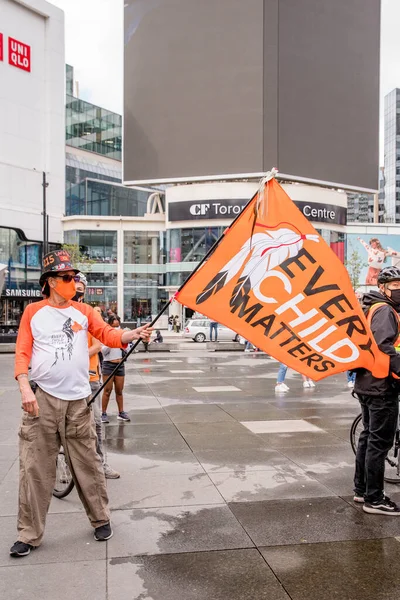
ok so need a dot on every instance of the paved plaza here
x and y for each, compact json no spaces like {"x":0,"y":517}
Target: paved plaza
{"x":227,"y":492}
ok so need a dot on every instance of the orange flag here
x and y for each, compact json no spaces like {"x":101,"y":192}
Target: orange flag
{"x":275,"y":281}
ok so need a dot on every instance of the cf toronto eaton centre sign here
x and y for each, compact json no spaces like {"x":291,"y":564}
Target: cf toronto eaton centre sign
{"x":229,"y":209}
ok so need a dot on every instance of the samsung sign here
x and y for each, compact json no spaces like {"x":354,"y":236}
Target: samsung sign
{"x":229,"y":209}
{"x":22,"y":293}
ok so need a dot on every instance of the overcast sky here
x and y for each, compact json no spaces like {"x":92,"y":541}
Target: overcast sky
{"x":94,"y":47}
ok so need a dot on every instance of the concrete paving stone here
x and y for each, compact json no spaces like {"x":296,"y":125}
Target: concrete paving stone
{"x":312,"y":520}
{"x":5,"y":466}
{"x":83,"y":580}
{"x":134,"y":431}
{"x":9,"y":491}
{"x":321,"y":460}
{"x":174,"y":530}
{"x":8,"y":436}
{"x":280,"y":482}
{"x":343,"y":570}
{"x":342,"y":434}
{"x":309,"y":438}
{"x":218,"y":428}
{"x":324,"y":412}
{"x":221,"y":575}
{"x":241,"y":460}
{"x":140,"y":445}
{"x":197,"y":413}
{"x":9,"y":451}
{"x":148,"y":490}
{"x":338,"y":422}
{"x":174,"y":463}
{"x":244,"y":412}
{"x":66,"y":538}
{"x":140,"y":417}
{"x":216,"y":442}
{"x":280,"y":426}
{"x":70,"y":504}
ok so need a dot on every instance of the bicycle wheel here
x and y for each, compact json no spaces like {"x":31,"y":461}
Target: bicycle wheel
{"x":392,"y":466}
{"x":64,"y":482}
{"x":355,"y":431}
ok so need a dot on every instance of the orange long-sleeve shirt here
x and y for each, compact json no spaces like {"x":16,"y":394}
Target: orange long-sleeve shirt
{"x":55,"y":342}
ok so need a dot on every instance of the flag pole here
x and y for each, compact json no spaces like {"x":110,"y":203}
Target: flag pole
{"x":269,"y":175}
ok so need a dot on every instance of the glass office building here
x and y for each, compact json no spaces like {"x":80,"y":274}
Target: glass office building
{"x":392,"y":157}
{"x":90,"y":127}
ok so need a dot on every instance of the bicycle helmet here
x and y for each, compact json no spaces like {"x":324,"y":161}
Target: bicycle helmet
{"x":82,"y":279}
{"x":389,"y":274}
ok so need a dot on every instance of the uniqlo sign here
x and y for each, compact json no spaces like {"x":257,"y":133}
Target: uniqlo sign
{"x":19,"y":54}
{"x":1,"y":47}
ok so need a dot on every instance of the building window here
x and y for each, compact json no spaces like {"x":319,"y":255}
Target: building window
{"x":92,"y":128}
{"x":97,"y":246}
{"x":143,"y":296}
{"x":191,"y":245}
{"x":144,"y":248}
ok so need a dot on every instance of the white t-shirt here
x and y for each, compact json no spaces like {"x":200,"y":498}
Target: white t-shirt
{"x":55,"y":341}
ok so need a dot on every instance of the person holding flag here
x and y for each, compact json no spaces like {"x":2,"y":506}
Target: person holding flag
{"x":53,"y":338}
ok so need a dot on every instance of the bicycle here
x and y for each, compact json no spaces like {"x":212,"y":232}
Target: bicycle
{"x":392,"y":469}
{"x":64,"y":482}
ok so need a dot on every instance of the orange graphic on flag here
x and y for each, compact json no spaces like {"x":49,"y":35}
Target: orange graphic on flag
{"x":274,"y":280}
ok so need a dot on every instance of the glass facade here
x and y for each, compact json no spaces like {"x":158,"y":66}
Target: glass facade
{"x":92,"y":128}
{"x":392,"y":157}
{"x":77,"y":171}
{"x":90,"y":190}
{"x":69,"y":80}
{"x":24,"y":260}
{"x":144,"y":274}
{"x":114,"y":200}
{"x":97,"y":246}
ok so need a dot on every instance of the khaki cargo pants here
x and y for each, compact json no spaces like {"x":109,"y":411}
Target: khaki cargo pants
{"x":66,"y":423}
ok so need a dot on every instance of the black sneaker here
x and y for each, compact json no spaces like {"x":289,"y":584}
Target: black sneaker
{"x":103,"y":533}
{"x":383,"y":507}
{"x":21,"y":549}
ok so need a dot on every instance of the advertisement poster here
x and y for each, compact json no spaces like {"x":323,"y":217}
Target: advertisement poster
{"x":368,"y":254}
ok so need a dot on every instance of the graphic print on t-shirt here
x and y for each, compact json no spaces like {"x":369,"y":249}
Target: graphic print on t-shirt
{"x":64,"y":342}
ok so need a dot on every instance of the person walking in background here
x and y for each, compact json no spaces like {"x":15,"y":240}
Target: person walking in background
{"x":177,"y":324}
{"x":159,"y":338}
{"x":111,"y":358}
{"x":280,"y":382}
{"x":351,"y":378}
{"x":170,"y":322}
{"x":94,"y":380}
{"x":214,"y":327}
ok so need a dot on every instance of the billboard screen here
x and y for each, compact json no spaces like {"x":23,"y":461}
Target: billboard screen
{"x":234,"y":87}
{"x":367,"y":255}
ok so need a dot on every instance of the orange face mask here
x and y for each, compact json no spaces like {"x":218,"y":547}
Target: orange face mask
{"x":66,"y":290}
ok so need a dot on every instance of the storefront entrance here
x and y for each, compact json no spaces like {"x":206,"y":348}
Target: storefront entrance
{"x":11,"y":310}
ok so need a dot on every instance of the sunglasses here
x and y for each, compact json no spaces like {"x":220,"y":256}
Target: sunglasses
{"x":68,"y":278}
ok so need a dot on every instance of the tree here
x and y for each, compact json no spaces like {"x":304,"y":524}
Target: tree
{"x":354,"y":265}
{"x":78,"y":259}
